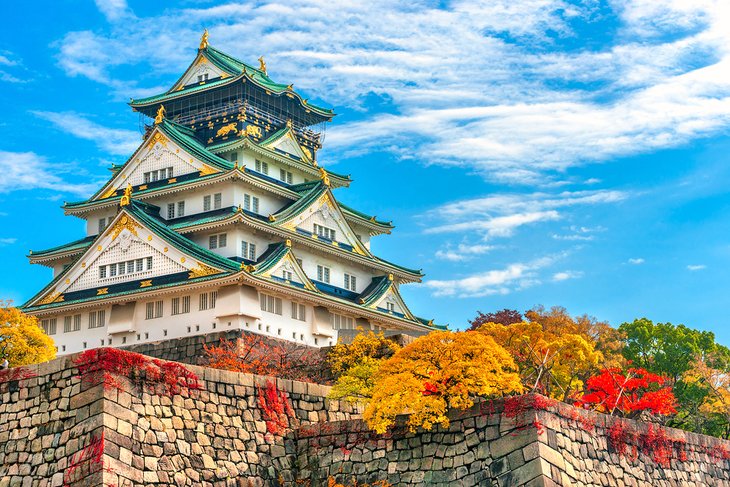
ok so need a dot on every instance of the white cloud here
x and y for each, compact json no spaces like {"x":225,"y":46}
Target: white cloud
{"x":29,"y":171}
{"x":114,"y":141}
{"x":7,"y":241}
{"x":696,"y":267}
{"x":512,"y":277}
{"x":565,"y":275}
{"x":463,"y":252}
{"x":113,"y":10}
{"x":501,"y":215}
{"x":484,"y":85}
{"x":636,"y":261}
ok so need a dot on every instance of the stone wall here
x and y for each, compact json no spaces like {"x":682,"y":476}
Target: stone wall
{"x":213,"y":436}
{"x":188,"y":350}
{"x":537,"y":442}
{"x":58,"y":429}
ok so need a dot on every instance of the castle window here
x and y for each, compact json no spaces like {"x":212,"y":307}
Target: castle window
{"x":206,"y":203}
{"x":270,"y":304}
{"x":180,"y":209}
{"x":202,"y":78}
{"x":262,"y":167}
{"x":324,"y":232}
{"x":390,"y":306}
{"x":49,"y":326}
{"x":170,"y":211}
{"x":250,"y":203}
{"x":234,"y":156}
{"x":350,"y":282}
{"x":97,"y":319}
{"x":340,"y":322}
{"x":248,"y":250}
{"x":181,"y":305}
{"x":207,"y":300}
{"x":102,"y":224}
{"x":323,"y":273}
{"x":154,"y":310}
{"x":286,"y":275}
{"x":122,"y":268}
{"x":217,"y":201}
{"x":285,"y":176}
{"x":299,"y":311}
{"x":71,"y":323}
{"x":217,"y":241}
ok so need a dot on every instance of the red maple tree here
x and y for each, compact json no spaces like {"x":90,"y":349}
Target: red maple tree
{"x":256,"y":355}
{"x":629,"y":393}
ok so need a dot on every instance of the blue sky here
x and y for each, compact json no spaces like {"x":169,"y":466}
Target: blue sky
{"x":534,"y":152}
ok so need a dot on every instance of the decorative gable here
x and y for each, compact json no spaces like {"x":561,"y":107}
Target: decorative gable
{"x":158,"y":158}
{"x":392,"y":302}
{"x":127,"y":251}
{"x":286,"y":141}
{"x":286,"y":270}
{"x":200,"y":71}
{"x":324,"y":216}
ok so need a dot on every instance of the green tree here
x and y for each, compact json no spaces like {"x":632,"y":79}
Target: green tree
{"x":678,"y":352}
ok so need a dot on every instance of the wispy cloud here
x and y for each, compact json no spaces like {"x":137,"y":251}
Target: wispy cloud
{"x":113,"y":10}
{"x":501,"y":215}
{"x":114,"y":141}
{"x":565,"y":275}
{"x":636,"y":261}
{"x":484,"y":85}
{"x":510,"y":278}
{"x":463,"y":252}
{"x":7,"y":241}
{"x":696,"y":267}
{"x":29,"y":171}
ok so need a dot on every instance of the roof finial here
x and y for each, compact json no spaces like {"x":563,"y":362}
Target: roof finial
{"x":160,"y":115}
{"x":325,"y":178}
{"x":127,"y":197}
{"x":262,"y":65}
{"x":204,"y":39}
{"x":288,"y":122}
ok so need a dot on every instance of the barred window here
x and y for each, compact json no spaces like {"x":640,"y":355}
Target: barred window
{"x":299,"y":311}
{"x":180,"y":209}
{"x":49,"y":326}
{"x":170,"y":211}
{"x":350,"y":282}
{"x":324,"y":232}
{"x":97,"y":319}
{"x":285,"y":176}
{"x":340,"y":322}
{"x":323,"y":273}
{"x":271,"y":304}
{"x":217,"y":201}
{"x":154,"y":310}
{"x":248,"y":250}
{"x":206,"y":203}
{"x":250,"y":203}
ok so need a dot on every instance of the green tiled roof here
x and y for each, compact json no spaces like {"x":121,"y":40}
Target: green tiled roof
{"x":377,"y":288}
{"x":141,"y":212}
{"x":370,"y":219}
{"x":237,"y":69}
{"x":75,"y":245}
{"x":309,"y":196}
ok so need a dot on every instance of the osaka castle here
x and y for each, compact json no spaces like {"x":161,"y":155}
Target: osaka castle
{"x":222,"y":219}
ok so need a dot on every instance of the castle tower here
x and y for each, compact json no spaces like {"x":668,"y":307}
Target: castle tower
{"x":222,"y":220}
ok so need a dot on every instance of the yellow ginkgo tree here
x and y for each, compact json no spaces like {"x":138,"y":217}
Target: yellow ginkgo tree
{"x":436,"y":372}
{"x":551,"y":362}
{"x":22,"y":341}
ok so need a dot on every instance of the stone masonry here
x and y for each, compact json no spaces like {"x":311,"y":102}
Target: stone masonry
{"x":53,"y":425}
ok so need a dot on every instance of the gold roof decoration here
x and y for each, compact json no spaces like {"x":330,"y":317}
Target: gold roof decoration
{"x":324,"y":176}
{"x":127,"y":196}
{"x":262,"y":65}
{"x":160,"y":115}
{"x":204,"y":39}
